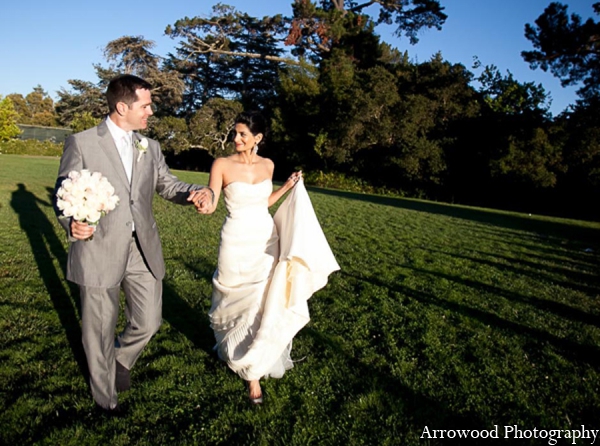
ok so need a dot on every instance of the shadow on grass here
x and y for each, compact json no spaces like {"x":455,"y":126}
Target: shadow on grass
{"x":586,"y":283}
{"x":525,"y":223}
{"x":421,"y":409}
{"x":46,"y":246}
{"x":579,"y":252}
{"x":190,"y":322}
{"x":574,"y":351}
{"x":416,"y":409}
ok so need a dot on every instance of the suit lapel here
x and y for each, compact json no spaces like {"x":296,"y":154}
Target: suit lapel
{"x":137,"y":165}
{"x":107,"y":144}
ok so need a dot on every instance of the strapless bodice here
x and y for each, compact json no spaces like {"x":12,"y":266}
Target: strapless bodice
{"x":243,"y":199}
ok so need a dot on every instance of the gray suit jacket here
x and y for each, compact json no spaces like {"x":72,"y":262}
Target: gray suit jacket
{"x":101,"y":262}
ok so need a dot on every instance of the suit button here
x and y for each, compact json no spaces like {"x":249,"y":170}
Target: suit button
{"x":131,"y":202}
{"x":128,"y":223}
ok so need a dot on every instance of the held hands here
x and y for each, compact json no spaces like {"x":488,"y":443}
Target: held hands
{"x":202,"y":199}
{"x":81,"y":231}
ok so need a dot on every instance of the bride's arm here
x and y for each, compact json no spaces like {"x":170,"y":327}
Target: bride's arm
{"x":215,"y":182}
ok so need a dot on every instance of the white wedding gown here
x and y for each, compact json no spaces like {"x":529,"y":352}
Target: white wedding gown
{"x":268,"y":268}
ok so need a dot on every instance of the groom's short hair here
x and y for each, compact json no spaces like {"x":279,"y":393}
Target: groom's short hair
{"x":123,"y":89}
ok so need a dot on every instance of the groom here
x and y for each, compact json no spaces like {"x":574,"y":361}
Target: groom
{"x":125,"y":251}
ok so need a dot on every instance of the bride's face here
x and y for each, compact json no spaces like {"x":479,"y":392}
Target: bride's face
{"x":244,"y":139}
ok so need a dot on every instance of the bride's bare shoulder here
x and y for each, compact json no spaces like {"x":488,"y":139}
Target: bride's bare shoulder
{"x":223,"y":161}
{"x":267,"y":162}
{"x":220,"y":165}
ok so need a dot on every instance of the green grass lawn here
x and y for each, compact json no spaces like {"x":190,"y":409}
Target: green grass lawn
{"x":441,"y":316}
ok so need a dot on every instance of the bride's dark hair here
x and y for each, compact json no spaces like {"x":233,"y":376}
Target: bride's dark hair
{"x":255,"y":121}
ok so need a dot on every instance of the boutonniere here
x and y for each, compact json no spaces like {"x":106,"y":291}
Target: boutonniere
{"x":142,"y":146}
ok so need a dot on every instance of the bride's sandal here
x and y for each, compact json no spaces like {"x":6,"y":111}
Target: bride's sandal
{"x":257,"y":400}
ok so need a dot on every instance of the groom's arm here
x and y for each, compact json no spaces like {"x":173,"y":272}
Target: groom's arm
{"x":70,"y":160}
{"x":169,"y":187}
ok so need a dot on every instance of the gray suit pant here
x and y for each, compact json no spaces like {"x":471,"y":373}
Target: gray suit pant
{"x":100,"y":310}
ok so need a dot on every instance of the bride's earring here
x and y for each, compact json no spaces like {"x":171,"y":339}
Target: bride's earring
{"x":255,"y":149}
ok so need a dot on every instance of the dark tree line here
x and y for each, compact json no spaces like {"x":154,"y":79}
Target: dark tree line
{"x":344,"y":103}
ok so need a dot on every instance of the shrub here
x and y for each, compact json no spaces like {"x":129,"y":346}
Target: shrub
{"x":30,"y":147}
{"x":336,"y":180}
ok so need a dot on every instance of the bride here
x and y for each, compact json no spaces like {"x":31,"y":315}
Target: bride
{"x":265,"y":273}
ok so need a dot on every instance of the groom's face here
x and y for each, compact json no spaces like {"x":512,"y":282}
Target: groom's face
{"x":137,"y":114}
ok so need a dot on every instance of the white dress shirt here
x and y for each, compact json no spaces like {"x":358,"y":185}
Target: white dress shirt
{"x":124,"y":145}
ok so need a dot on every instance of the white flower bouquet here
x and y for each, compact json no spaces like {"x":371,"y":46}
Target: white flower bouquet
{"x":86,"y":197}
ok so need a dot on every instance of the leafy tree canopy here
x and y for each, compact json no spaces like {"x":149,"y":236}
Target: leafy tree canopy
{"x":211,"y":126}
{"x":82,"y":98}
{"x":317,"y":27}
{"x":83,"y":121}
{"x":215,"y":35}
{"x":132,"y":55}
{"x":504,"y":94}
{"x":8,"y":124}
{"x":567,"y":46}
{"x":313,"y":30}
{"x":37,"y":108}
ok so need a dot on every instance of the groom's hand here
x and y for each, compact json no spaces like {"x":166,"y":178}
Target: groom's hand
{"x":81,"y":231}
{"x":203,"y":207}
{"x":202,"y":199}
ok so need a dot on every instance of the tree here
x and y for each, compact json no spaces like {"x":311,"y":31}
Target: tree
{"x":312,"y":31}
{"x":202,"y":76}
{"x":37,"y":108}
{"x":83,"y":121}
{"x":570,"y":49}
{"x":566,"y":46}
{"x":125,"y":55}
{"x":230,"y":55}
{"x":358,"y":104}
{"x":132,"y":55}
{"x":83,"y":98}
{"x":315,"y":30}
{"x":211,"y":126}
{"x":530,"y":162}
{"x":255,"y":77}
{"x":8,"y":123}
{"x":172,"y":132}
{"x":436,"y":99}
{"x":511,"y":160}
{"x":296,"y":119}
{"x":508,"y":96}
{"x":246,"y":61}
{"x":214,"y":35}
{"x":579,"y":134}
{"x":21,"y":108}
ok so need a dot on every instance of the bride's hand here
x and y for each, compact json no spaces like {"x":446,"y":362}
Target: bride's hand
{"x":202,"y":199}
{"x":293,"y":179}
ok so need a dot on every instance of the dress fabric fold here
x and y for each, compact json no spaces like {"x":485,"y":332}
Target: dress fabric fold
{"x":268,"y":268}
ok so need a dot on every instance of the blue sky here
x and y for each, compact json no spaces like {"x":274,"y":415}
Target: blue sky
{"x":47,"y":43}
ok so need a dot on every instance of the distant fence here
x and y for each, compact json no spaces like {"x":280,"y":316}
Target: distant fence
{"x":54,"y":134}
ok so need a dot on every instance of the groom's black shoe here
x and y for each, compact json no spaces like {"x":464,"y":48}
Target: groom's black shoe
{"x":116,"y":412}
{"x":123,"y":378}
